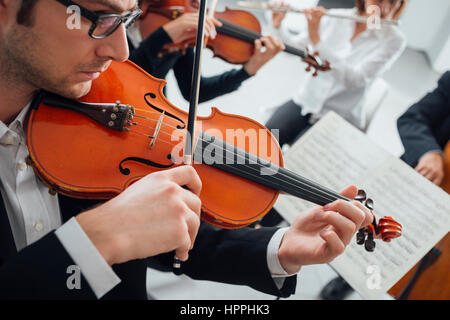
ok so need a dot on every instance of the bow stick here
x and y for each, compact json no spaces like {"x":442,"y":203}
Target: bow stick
{"x":193,"y":102}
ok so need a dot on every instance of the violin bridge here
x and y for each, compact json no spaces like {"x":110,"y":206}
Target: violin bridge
{"x":157,"y":129}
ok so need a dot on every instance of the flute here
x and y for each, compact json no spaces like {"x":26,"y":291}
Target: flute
{"x":267,"y":6}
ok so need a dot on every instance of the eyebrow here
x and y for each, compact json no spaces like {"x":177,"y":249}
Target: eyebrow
{"x":113,"y":6}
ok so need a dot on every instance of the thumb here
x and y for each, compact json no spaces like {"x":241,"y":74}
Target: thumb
{"x":181,"y":254}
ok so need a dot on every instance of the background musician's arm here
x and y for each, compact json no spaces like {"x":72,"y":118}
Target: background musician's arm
{"x":146,"y":55}
{"x":354,"y":74}
{"x":229,"y":81}
{"x":210,"y":87}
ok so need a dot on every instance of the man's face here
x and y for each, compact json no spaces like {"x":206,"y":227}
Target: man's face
{"x":49,"y":55}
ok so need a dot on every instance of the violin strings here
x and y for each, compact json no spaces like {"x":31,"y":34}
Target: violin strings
{"x":238,"y":32}
{"x":291,"y":175}
{"x":297,"y":179}
{"x":148,"y":137}
{"x":251,"y":36}
{"x":155,"y":120}
{"x":136,"y":124}
{"x":316,"y":190}
{"x":317,"y":197}
{"x":305,"y":192}
{"x":233,"y":27}
{"x":238,"y":155}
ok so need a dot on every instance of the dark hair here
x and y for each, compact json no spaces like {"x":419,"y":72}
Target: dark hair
{"x":24,"y":14}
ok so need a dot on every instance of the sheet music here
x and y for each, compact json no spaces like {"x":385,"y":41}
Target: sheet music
{"x":398,"y":191}
{"x":330,"y":146}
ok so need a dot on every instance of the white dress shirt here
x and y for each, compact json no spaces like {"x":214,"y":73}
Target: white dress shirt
{"x":33,"y":212}
{"x":355,"y":65}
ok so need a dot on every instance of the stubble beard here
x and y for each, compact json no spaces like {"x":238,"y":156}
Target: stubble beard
{"x":23,"y":65}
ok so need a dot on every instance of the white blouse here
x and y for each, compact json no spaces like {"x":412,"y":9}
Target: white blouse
{"x":355,"y":65}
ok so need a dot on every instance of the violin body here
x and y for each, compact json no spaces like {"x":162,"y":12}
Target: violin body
{"x":79,"y":157}
{"x":232,"y":49}
{"x":158,"y":13}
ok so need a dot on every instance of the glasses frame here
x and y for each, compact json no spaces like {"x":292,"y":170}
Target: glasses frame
{"x":127,"y":18}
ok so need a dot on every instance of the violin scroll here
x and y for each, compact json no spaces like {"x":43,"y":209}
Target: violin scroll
{"x":386,"y":229}
{"x":315,"y":62}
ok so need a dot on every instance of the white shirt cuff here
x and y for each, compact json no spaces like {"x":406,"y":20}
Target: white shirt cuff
{"x":273,"y":263}
{"x":98,"y":273}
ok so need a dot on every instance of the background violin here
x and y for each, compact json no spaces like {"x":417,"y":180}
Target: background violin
{"x":93,"y":149}
{"x":235,"y":39}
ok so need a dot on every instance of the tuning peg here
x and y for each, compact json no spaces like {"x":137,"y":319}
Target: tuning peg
{"x":369,"y":244}
{"x":369,"y":204}
{"x":361,"y":196}
{"x":360,"y":237}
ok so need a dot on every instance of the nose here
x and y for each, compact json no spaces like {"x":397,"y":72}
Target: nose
{"x":115,"y":46}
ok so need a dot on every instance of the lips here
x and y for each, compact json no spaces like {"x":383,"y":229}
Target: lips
{"x":91,"y":75}
{"x":95,"y":73}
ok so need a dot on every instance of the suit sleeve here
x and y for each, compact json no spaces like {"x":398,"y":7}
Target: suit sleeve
{"x":230,"y":256}
{"x":418,"y":124}
{"x":210,"y":87}
{"x":40,"y":271}
{"x":146,"y":55}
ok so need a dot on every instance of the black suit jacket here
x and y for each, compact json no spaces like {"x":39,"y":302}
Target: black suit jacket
{"x":147,"y":57}
{"x":39,"y":271}
{"x":425,"y":126}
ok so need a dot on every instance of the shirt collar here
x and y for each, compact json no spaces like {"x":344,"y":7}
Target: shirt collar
{"x":17,"y":125}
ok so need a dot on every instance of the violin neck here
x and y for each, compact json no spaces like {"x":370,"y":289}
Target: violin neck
{"x":229,"y":158}
{"x":235,"y":31}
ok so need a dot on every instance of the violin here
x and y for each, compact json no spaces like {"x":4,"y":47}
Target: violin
{"x":125,"y":129}
{"x":235,"y":39}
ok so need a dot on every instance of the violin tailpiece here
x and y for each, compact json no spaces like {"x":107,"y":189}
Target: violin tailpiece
{"x":115,"y":116}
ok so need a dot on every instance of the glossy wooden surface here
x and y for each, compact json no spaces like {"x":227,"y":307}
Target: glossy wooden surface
{"x":228,"y":48}
{"x":434,"y":283}
{"x":231,"y":49}
{"x":79,"y":157}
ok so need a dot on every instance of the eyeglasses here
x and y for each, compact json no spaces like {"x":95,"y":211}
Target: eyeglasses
{"x":103,"y":25}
